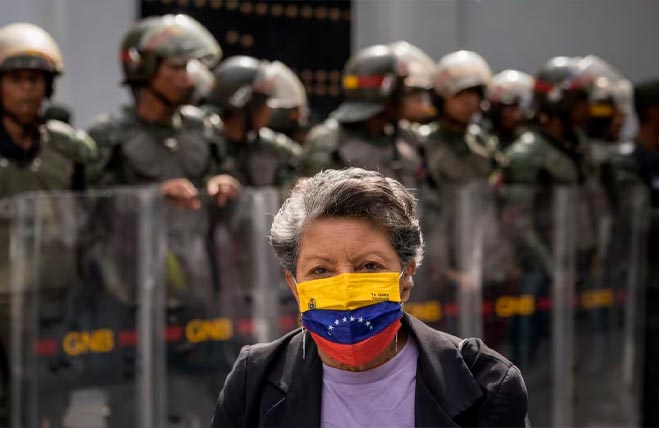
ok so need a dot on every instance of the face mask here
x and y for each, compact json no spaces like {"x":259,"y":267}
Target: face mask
{"x":352,"y":317}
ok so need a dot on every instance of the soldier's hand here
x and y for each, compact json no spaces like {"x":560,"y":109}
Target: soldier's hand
{"x":222,"y":188}
{"x":182,"y":192}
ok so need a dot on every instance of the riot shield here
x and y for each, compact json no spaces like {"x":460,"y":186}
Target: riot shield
{"x":525,"y":264}
{"x":434,"y":297}
{"x":83,"y":289}
{"x":608,"y":309}
{"x":223,"y":290}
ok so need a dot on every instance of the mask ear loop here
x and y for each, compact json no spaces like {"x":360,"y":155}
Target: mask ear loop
{"x":304,"y":331}
{"x":402,"y":273}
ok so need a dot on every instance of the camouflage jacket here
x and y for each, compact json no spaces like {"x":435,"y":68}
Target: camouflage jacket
{"x":134,"y":152}
{"x":56,"y":163}
{"x":53,"y":167}
{"x":331,"y":145}
{"x":455,"y":158}
{"x":537,"y":165}
{"x":271,"y":160}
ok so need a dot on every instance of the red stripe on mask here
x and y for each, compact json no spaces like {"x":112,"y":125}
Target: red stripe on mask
{"x":358,"y":353}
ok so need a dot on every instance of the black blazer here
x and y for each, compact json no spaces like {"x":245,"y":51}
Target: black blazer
{"x":458,"y":383}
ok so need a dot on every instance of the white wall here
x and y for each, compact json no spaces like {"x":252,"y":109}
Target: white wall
{"x":88,"y":33}
{"x":508,"y":33}
{"x":520,"y":34}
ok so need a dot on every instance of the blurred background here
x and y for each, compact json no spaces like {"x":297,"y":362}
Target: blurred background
{"x":127,"y":311}
{"x":316,"y":37}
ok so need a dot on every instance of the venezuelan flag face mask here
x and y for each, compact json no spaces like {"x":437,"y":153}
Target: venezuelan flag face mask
{"x":352,"y":317}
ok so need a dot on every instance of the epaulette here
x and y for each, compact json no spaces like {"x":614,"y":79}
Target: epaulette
{"x":73,"y":143}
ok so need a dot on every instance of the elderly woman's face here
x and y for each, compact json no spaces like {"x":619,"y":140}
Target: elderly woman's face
{"x":334,"y":246}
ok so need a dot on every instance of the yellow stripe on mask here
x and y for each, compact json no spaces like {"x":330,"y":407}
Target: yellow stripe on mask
{"x":348,"y":291}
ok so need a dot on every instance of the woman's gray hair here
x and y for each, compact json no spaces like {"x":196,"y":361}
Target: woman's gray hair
{"x":352,"y":193}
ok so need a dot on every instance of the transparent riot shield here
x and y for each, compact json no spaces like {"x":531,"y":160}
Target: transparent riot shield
{"x":83,"y":278}
{"x":223,"y":290}
{"x":610,"y":265}
{"x":447,"y":293}
{"x":434,"y":297}
{"x":522,"y":250}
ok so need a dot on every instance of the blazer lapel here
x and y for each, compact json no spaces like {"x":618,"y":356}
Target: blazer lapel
{"x":444,"y":385}
{"x":427,"y":410}
{"x":296,"y":388}
{"x":442,"y":377}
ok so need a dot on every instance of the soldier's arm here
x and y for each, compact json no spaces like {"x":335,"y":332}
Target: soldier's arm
{"x":104,"y":170}
{"x":289,"y":154}
{"x":319,"y":151}
{"x":73,"y":143}
{"x":521,"y":177}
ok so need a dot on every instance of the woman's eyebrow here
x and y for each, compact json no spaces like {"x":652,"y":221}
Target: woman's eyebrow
{"x":368,"y":254}
{"x":319,"y":257}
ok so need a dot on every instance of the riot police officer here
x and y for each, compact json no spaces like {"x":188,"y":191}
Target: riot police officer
{"x":645,"y":156}
{"x":509,"y":100}
{"x":554,"y":150}
{"x":610,"y":96}
{"x":257,"y":155}
{"x":456,"y":149}
{"x":35,"y":153}
{"x":417,"y":106}
{"x":288,"y":103}
{"x":364,"y":130}
{"x":161,"y":139}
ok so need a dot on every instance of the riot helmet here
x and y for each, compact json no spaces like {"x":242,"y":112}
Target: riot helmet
{"x":559,"y":84}
{"x":460,"y":85}
{"x":27,"y":46}
{"x":511,"y":87}
{"x":241,"y":81}
{"x":373,"y":79}
{"x":168,"y":37}
{"x":288,"y":102}
{"x":243,"y":85}
{"x":461,"y":70}
{"x":610,"y":98}
{"x":509,"y":98}
{"x":417,"y":105}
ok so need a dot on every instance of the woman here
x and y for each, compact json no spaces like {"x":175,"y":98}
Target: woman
{"x":350,"y":242}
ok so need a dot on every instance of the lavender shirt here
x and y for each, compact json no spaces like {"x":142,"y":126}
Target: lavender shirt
{"x":380,"y":397}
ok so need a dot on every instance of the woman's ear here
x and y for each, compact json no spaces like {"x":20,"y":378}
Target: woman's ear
{"x":410,"y":270}
{"x":290,"y":280}
{"x":407,"y":281}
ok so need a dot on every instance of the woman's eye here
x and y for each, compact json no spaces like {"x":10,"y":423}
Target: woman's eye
{"x":371,"y":266}
{"x":319,"y":270}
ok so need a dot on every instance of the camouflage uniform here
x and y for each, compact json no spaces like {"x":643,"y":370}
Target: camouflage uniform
{"x":537,"y":164}
{"x":289,"y":104}
{"x":375,"y":80}
{"x":455,"y":157}
{"x":332,"y":145}
{"x":55,"y":160}
{"x":272,"y":160}
{"x":509,"y":89}
{"x":244,"y":86}
{"x":134,"y":152}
